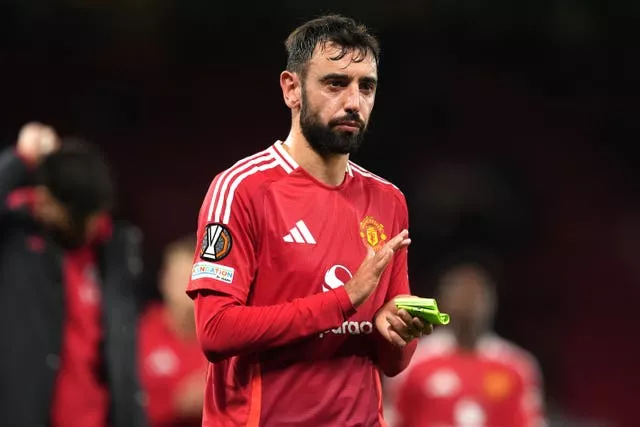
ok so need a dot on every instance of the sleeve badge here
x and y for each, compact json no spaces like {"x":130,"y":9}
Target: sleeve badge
{"x":216,"y":242}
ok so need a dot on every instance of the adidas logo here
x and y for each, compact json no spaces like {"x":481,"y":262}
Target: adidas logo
{"x":299,"y":234}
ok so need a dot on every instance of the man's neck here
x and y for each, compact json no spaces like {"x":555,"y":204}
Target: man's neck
{"x":329,"y":170}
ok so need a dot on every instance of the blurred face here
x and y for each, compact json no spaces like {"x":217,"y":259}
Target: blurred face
{"x":466,"y":297}
{"x":55,"y":216}
{"x":337,"y":99}
{"x":174,"y":278}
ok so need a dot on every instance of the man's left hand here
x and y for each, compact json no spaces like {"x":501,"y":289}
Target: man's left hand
{"x":398,"y":326}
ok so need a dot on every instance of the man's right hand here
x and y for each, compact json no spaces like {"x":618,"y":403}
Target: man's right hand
{"x":36,"y":141}
{"x":366,"y":278}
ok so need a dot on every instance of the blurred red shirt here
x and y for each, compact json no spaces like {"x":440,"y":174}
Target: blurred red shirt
{"x":80,"y":398}
{"x":498,"y":385}
{"x":167,"y":364}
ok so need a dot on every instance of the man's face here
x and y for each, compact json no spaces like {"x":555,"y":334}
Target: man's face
{"x":337,"y":99}
{"x":467,"y":298}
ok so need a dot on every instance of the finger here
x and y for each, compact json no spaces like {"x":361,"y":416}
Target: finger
{"x":419,"y":326}
{"x":385,"y":254}
{"x":399,"y":241}
{"x":428,"y":329}
{"x":383,"y":258}
{"x":395,"y":338}
{"x":370,"y":253}
{"x":398,"y":325}
{"x":416,"y":327}
{"x":413,"y":328}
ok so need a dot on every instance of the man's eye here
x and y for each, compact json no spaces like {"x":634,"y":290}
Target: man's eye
{"x":336,"y":83}
{"x":367,"y":87}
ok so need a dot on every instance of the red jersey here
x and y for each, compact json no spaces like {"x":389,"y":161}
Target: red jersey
{"x":498,"y":385}
{"x":282,"y":244}
{"x":167,"y":362}
{"x":80,"y":398}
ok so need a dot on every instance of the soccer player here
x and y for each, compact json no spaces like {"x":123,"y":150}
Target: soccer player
{"x":172,"y":367}
{"x":67,"y":274}
{"x":302,"y":253}
{"x":465,"y":375}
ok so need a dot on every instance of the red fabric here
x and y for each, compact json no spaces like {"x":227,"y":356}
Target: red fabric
{"x":496,"y":386}
{"x":167,"y":362}
{"x":287,"y":346}
{"x":80,"y":399}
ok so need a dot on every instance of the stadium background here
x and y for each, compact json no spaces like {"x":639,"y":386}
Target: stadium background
{"x":510,"y":126}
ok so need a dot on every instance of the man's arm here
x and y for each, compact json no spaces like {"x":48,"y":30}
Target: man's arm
{"x":228,"y":328}
{"x":34,"y":142}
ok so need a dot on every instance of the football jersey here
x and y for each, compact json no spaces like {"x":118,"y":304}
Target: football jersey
{"x":495,"y":386}
{"x":271,"y":233}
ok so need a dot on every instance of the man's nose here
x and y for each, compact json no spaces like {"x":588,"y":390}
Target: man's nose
{"x":352,"y":99}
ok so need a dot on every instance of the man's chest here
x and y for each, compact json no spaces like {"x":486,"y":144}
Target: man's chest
{"x":314,"y":241}
{"x":470,"y":387}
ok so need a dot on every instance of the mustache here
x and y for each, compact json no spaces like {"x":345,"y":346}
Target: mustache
{"x":348,"y":118}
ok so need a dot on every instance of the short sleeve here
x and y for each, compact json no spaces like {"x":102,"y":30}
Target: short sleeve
{"x":399,"y":284}
{"x":225,"y":258}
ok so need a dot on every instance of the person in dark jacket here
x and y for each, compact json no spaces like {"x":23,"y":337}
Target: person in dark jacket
{"x":67,"y":276}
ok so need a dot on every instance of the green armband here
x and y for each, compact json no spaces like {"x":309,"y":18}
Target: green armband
{"x":424,"y":308}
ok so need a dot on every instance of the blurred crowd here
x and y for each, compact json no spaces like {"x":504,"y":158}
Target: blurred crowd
{"x":83,"y":350}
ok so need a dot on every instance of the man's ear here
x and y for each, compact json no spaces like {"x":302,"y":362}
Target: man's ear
{"x":291,"y":89}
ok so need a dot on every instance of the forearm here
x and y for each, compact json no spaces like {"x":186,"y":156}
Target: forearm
{"x":392,"y":359}
{"x":227,"y":328}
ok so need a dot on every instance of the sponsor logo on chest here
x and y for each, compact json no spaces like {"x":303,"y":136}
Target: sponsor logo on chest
{"x":335,"y":277}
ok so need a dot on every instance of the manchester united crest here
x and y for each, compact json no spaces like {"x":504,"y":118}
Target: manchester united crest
{"x":497,"y":384}
{"x":372,"y":232}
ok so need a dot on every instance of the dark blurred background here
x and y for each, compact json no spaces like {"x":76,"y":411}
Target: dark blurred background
{"x":510,"y":126}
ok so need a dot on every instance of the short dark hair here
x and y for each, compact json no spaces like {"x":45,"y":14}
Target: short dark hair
{"x":79,"y":177}
{"x":342,"y":31}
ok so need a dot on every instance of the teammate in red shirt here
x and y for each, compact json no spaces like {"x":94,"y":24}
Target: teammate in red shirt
{"x":465,"y":375}
{"x":295,"y":324}
{"x":172,"y":366}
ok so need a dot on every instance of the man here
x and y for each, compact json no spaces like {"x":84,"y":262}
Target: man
{"x":67,"y":312}
{"x":465,"y":375}
{"x":302,"y":253}
{"x":172,"y":367}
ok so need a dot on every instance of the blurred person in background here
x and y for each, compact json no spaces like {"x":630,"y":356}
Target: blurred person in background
{"x":172,"y":367}
{"x":301,"y":254}
{"x":67,"y":275}
{"x":464,"y":375}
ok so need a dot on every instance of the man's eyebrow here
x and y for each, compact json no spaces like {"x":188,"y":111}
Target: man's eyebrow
{"x":334,"y":76}
{"x":338,"y":76}
{"x":369,"y":80}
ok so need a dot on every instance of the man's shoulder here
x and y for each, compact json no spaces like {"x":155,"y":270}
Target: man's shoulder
{"x":250,"y":172}
{"x":239,"y":183}
{"x":375,"y":182}
{"x":507,"y":352}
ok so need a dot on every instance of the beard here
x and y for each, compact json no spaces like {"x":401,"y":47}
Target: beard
{"x":326,"y":140}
